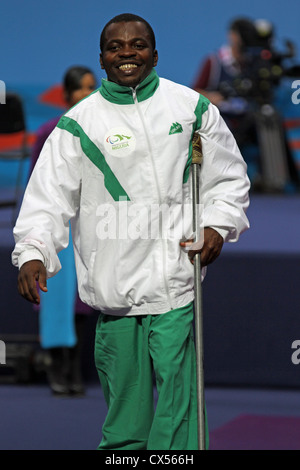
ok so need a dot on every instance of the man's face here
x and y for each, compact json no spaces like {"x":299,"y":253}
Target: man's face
{"x":128,"y":56}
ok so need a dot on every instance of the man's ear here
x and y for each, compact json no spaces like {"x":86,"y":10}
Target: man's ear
{"x":101,"y":60}
{"x":155,"y":58}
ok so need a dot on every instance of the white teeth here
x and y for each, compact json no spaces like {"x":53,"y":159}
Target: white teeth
{"x":127,"y":66}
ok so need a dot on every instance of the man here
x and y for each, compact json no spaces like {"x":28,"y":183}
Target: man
{"x":220,"y":70}
{"x":126,"y":149}
{"x":222,"y":79}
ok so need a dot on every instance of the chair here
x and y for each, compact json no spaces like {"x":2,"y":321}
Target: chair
{"x":13,"y":148}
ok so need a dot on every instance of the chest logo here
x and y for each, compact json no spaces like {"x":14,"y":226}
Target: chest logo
{"x":176,"y":128}
{"x":119,"y":142}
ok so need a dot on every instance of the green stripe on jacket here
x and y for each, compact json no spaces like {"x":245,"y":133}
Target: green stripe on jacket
{"x":111,"y":182}
{"x":200,"y":109}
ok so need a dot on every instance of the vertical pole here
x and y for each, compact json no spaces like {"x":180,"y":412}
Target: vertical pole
{"x":198,"y":310}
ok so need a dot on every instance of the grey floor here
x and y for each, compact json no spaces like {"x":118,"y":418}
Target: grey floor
{"x":32,"y":419}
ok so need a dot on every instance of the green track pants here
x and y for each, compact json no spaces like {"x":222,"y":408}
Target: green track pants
{"x":127,"y":351}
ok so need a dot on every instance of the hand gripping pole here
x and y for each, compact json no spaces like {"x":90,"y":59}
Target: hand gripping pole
{"x":197,"y":158}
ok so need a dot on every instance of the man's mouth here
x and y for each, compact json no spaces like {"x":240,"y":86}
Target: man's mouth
{"x":127,"y":67}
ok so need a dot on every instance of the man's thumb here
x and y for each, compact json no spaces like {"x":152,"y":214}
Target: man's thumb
{"x":43,"y":281}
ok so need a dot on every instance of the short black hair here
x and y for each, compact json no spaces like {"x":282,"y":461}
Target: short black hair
{"x":127,"y":17}
{"x":73,"y":76}
{"x":246,"y":29}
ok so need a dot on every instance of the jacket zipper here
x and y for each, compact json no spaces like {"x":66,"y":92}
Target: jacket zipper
{"x":162,"y":240}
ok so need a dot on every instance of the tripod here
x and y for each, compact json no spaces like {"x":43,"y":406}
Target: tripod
{"x":275,"y":174}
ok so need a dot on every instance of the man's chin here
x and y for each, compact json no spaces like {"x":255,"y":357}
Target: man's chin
{"x":129,"y":82}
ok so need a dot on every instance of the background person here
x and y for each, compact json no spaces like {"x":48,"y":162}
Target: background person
{"x":241,"y":78}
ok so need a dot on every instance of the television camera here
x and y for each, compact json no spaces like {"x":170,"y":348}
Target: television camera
{"x":251,"y":94}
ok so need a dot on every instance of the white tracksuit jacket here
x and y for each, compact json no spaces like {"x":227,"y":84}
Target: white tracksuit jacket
{"x":112,"y":163}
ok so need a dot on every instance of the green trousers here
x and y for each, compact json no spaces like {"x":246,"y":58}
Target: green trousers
{"x":127,"y":352}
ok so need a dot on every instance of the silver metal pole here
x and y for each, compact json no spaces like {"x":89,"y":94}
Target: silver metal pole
{"x":198,"y":310}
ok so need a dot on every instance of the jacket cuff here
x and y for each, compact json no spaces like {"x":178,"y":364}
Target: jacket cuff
{"x":224,"y":233}
{"x":30,"y":255}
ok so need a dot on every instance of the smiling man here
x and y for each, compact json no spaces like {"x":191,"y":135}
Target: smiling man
{"x":128,"y":52}
{"x":128,"y":145}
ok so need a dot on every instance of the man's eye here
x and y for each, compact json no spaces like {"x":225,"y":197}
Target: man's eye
{"x":139,"y":46}
{"x":113,"y":48}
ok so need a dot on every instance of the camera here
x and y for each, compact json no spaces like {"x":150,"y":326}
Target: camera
{"x":249,"y":104}
{"x":263,"y":67}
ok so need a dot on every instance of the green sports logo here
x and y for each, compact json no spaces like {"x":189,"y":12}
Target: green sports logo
{"x":176,"y":128}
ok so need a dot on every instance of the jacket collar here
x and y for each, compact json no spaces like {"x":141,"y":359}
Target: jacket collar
{"x":119,"y":94}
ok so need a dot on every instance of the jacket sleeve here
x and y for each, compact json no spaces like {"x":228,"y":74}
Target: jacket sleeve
{"x":224,"y":184}
{"x":50,"y":201}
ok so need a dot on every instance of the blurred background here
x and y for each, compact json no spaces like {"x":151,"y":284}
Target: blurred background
{"x":251,"y":293}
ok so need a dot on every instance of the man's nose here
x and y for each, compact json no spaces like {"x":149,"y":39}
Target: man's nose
{"x":127,"y":51}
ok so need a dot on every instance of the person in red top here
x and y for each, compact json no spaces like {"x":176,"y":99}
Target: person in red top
{"x":232,"y":79}
{"x":219,"y":74}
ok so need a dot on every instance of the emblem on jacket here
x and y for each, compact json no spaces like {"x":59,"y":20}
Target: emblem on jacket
{"x":119,"y":142}
{"x":176,"y":128}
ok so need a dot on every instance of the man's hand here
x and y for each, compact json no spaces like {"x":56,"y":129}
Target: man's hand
{"x":212,"y":246}
{"x":30,"y":274}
